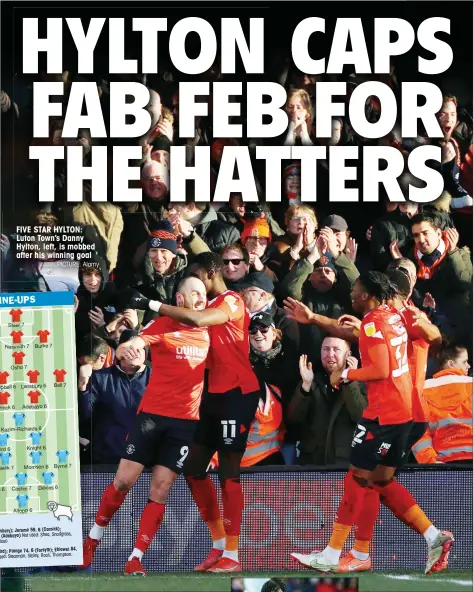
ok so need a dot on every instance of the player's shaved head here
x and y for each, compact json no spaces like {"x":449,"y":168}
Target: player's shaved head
{"x":191,"y":293}
{"x":405,"y":265}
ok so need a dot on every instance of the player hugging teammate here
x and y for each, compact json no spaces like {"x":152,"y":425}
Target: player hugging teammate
{"x":174,"y":429}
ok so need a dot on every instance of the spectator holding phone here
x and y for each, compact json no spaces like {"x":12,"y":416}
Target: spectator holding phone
{"x":326,"y":417}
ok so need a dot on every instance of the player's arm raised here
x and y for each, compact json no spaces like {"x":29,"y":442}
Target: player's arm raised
{"x":302,"y":314}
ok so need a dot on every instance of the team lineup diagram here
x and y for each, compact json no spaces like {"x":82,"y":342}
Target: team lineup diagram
{"x":39,"y":448}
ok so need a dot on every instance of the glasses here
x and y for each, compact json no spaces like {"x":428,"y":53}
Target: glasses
{"x":233,"y":261}
{"x":301,"y":219}
{"x":255,"y":330}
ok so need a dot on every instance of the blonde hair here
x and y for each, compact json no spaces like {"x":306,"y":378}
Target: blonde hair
{"x":300,"y":209}
{"x":300,"y":93}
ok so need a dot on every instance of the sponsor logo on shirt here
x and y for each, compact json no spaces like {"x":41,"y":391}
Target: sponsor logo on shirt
{"x":394,"y":319}
{"x":191,"y":352}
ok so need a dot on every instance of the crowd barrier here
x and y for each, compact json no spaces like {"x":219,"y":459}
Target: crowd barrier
{"x":286,"y":509}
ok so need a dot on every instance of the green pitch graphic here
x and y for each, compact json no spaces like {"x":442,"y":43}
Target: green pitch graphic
{"x":39,"y":449}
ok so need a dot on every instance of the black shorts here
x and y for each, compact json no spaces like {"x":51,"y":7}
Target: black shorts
{"x":417,"y":430}
{"x":374,"y":444}
{"x":160,"y":440}
{"x":225,"y":420}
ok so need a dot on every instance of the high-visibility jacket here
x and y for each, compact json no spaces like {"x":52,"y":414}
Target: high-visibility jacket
{"x":266,"y":431}
{"x":448,"y":396}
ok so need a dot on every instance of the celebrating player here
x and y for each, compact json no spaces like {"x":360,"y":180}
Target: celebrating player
{"x":165,"y":423}
{"x":227,"y":409}
{"x":380,"y":440}
{"x":421,"y":334}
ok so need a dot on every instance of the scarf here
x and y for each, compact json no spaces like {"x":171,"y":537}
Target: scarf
{"x":264,"y":358}
{"x":427,"y":264}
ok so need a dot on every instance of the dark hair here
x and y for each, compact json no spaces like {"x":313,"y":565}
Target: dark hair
{"x":400,"y":281}
{"x":92,"y":347}
{"x":209,"y":262}
{"x":378,"y":285}
{"x":236,"y":247}
{"x":449,"y":351}
{"x":432,"y":220}
{"x":274,"y":585}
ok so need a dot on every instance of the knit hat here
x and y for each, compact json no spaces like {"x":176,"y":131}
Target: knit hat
{"x":256,"y":227}
{"x":163,"y":237}
{"x":326,"y":260}
{"x":292,"y":169}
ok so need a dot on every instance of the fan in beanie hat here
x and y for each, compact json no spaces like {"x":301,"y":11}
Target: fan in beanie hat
{"x":163,"y":237}
{"x":292,"y":182}
{"x":256,"y":228}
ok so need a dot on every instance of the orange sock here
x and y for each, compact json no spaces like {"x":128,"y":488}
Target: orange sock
{"x":417,"y":519}
{"x":340,"y":532}
{"x":362,"y":546}
{"x":216,"y":528}
{"x":231,"y":543}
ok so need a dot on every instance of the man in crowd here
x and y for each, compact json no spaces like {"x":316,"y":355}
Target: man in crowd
{"x":163,"y":268}
{"x":201,"y":219}
{"x":109,"y":402}
{"x":322,"y":282}
{"x":326,"y":417}
{"x":162,"y":432}
{"x":445,"y":271}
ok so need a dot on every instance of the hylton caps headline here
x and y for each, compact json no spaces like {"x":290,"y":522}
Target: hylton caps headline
{"x":420,"y":101}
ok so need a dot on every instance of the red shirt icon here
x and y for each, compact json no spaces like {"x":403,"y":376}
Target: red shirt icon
{"x":3,"y":377}
{"x":18,"y":357}
{"x":33,"y":375}
{"x":60,"y":374}
{"x":16,"y":315}
{"x":4,"y":398}
{"x":16,"y":335}
{"x":43,"y":335}
{"x":34,"y":396}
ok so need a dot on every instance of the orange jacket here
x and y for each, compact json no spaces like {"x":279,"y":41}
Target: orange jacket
{"x":448,"y":437}
{"x":266,"y":431}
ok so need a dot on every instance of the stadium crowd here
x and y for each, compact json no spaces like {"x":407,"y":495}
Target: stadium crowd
{"x":270,"y":253}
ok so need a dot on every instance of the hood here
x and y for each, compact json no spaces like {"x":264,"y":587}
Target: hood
{"x":452,"y":397}
{"x":442,"y":204}
{"x":105,"y":276}
{"x":207,"y":216}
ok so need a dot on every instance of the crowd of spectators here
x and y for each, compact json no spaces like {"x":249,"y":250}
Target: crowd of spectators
{"x":312,"y":253}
